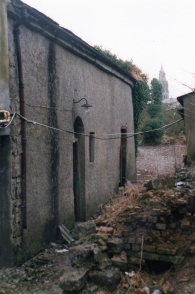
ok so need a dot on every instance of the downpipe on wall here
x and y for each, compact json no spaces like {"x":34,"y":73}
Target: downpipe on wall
{"x":23,"y":122}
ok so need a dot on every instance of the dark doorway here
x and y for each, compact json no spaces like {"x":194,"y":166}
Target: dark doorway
{"x":79,"y":171}
{"x":123,"y":155}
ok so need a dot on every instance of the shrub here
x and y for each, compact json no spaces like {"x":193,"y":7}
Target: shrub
{"x":153,"y":137}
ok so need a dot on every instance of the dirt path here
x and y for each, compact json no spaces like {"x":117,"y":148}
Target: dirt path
{"x":155,"y":161}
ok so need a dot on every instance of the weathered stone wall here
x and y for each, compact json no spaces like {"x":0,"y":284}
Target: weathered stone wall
{"x":53,"y":77}
{"x":5,"y":148}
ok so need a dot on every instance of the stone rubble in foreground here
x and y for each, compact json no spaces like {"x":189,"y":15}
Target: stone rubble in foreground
{"x":123,"y":250}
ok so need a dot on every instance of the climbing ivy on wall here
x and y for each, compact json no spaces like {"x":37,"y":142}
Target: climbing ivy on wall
{"x":141,"y":96}
{"x":140,"y":93}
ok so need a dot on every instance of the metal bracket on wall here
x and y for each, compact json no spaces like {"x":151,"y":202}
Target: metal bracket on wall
{"x":4,"y":117}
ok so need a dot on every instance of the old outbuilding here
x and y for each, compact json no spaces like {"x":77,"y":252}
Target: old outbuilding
{"x":188,"y":114}
{"x":60,"y":157}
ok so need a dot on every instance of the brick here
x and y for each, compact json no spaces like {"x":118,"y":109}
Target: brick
{"x":138,"y":209}
{"x":103,"y":236}
{"x":184,"y":224}
{"x":107,"y":230}
{"x":16,"y":231}
{"x":165,"y":234}
{"x":156,"y":233}
{"x":172,"y":226}
{"x":131,"y":240}
{"x":168,"y":251}
{"x":125,"y":233}
{"x":167,"y":258}
{"x":160,"y":226}
{"x":134,"y":260}
{"x":188,"y":215}
{"x":142,"y":219}
{"x":125,"y":240}
{"x":191,"y":249}
{"x":103,"y":248}
{"x":136,"y":247}
{"x":138,"y":241}
{"x":150,"y":248}
{"x":156,"y":212}
{"x":126,"y":246}
{"x":117,"y":234}
{"x":149,"y":225}
{"x":152,"y":219}
{"x":163,"y":219}
{"x":114,"y":245}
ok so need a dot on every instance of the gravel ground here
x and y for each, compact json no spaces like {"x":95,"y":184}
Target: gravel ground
{"x":155,"y":161}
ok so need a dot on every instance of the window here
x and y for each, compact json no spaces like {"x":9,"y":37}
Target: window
{"x":91,"y":146}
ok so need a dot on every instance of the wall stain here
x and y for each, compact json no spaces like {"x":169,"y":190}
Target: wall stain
{"x":4,"y":75}
{"x":54,"y":153}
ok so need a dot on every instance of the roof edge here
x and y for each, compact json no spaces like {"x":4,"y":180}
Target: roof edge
{"x":36,"y":20}
{"x":180,"y":98}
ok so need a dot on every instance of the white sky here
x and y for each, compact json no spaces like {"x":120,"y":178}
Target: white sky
{"x":150,"y":32}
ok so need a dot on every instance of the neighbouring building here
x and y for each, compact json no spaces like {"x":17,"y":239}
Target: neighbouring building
{"x":57,"y":175}
{"x":164,"y":83}
{"x":188,"y":113}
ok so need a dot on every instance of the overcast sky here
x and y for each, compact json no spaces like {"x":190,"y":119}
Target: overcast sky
{"x":151,"y":32}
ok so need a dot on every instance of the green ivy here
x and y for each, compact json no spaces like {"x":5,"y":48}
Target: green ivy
{"x":140,"y":98}
{"x":140,"y":92}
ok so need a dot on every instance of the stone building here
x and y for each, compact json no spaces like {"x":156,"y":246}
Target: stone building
{"x":188,"y":113}
{"x":59,"y":162}
{"x":164,"y":83}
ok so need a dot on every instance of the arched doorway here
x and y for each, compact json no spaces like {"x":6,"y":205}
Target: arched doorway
{"x":79,"y":171}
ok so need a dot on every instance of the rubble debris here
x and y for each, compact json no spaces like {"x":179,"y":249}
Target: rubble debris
{"x":109,"y":278}
{"x":138,"y":236}
{"x":84,"y":228}
{"x":65,"y":234}
{"x":120,"y":261}
{"x":61,"y":250}
{"x":74,"y":280}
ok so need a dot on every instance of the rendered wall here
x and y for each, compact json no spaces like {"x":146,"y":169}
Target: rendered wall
{"x":5,"y":148}
{"x":53,"y":77}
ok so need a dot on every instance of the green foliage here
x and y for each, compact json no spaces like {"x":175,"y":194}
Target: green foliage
{"x":140,"y":92}
{"x":156,"y":92}
{"x":155,"y":105}
{"x":154,"y":110}
{"x":140,"y":99}
{"x":153,"y":137}
{"x":170,"y":115}
{"x":127,"y":65}
{"x":16,"y":242}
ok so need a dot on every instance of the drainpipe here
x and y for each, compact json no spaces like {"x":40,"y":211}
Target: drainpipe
{"x":23,"y":122}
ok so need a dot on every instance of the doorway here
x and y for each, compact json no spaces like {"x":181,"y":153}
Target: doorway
{"x":79,"y":171}
{"x":123,"y":156}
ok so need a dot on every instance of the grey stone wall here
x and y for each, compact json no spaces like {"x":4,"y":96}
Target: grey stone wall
{"x":53,"y":77}
{"x":5,"y":148}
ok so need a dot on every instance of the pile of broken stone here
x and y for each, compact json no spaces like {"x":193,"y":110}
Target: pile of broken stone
{"x":122,"y":248}
{"x":154,"y":224}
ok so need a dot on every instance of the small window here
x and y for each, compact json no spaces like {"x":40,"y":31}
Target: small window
{"x":91,"y":146}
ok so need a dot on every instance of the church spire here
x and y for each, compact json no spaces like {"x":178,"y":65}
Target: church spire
{"x":164,"y":83}
{"x":161,"y":69}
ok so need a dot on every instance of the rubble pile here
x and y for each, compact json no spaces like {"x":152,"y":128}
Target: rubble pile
{"x":142,"y":242}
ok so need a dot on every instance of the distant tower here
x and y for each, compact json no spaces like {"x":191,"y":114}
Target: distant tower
{"x":164,"y":83}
